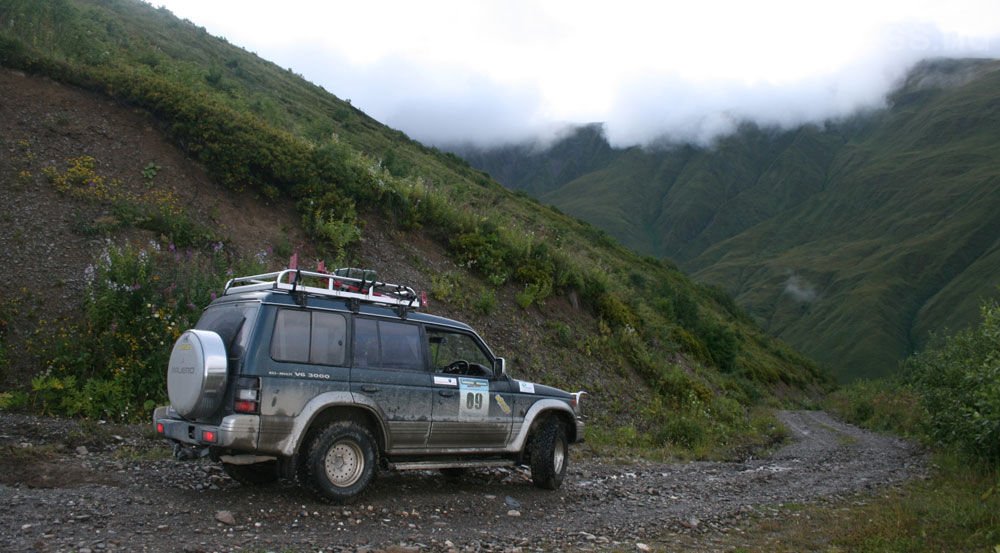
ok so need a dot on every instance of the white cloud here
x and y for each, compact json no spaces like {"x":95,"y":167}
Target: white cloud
{"x":800,"y":289}
{"x":483,"y":72}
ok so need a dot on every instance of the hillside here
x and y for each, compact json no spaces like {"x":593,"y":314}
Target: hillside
{"x":853,"y":240}
{"x":147,"y":161}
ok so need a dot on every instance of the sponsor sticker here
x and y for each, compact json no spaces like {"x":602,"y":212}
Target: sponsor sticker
{"x":445,"y":381}
{"x":502,"y":403}
{"x":526,"y":387}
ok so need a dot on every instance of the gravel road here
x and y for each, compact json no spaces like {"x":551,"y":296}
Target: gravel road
{"x":71,"y":487}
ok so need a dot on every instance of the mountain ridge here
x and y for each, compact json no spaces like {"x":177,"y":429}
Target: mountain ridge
{"x":877,"y":215}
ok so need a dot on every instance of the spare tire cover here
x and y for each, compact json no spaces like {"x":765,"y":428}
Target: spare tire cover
{"x":196,"y":374}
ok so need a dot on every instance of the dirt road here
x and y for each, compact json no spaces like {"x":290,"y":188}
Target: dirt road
{"x":67,"y":487}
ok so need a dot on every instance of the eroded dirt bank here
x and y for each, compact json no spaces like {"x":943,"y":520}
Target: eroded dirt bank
{"x":67,"y":487}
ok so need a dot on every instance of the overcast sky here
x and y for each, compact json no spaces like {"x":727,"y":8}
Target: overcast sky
{"x":501,"y":71}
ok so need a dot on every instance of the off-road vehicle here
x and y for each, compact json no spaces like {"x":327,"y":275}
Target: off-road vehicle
{"x":328,"y":377}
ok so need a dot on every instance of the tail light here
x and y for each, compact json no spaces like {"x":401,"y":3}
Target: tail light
{"x":247,"y":398}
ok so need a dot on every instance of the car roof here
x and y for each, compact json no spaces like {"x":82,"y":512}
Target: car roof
{"x":283,"y":298}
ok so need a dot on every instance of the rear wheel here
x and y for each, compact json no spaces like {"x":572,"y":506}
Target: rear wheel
{"x":256,"y":474}
{"x":549,"y":455}
{"x":340,"y":462}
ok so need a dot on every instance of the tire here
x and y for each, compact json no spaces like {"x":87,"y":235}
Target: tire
{"x":196,"y":374}
{"x":340,"y":462}
{"x":256,"y":474}
{"x":549,"y":455}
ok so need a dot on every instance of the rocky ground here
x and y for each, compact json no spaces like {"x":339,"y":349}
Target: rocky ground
{"x":67,"y":486}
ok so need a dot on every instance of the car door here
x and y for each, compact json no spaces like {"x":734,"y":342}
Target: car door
{"x":471,"y":404}
{"x":390,"y":371}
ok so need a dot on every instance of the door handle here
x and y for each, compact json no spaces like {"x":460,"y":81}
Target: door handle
{"x":369,"y":388}
{"x":446,"y":393}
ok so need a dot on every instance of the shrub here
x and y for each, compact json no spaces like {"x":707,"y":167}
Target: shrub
{"x":486,"y":303}
{"x":682,"y":430}
{"x":959,"y":385}
{"x":139,"y":300}
{"x":885,"y":405}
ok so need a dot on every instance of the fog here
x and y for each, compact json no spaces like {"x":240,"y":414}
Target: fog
{"x":497,"y":72}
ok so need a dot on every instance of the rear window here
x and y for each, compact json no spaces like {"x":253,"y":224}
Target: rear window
{"x":314,"y":337}
{"x":233,"y":323}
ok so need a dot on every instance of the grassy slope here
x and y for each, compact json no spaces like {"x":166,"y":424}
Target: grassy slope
{"x":888,"y":218}
{"x":264,"y":129}
{"x":908,"y":209}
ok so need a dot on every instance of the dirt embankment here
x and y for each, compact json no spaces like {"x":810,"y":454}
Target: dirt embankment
{"x":67,"y":487}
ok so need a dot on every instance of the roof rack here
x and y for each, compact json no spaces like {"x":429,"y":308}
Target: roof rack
{"x":341,"y":284}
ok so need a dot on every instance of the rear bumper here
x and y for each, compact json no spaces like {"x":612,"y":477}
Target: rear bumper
{"x":237,"y":432}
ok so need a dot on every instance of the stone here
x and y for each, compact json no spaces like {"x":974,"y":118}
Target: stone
{"x":225,"y":517}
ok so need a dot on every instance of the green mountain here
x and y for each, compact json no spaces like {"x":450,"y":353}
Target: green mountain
{"x":852,"y":240}
{"x":668,"y":361}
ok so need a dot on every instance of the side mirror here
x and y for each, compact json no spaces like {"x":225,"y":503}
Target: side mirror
{"x":500,"y":366}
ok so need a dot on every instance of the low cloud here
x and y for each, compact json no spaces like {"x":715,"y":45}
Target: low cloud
{"x":652,"y":74}
{"x":800,"y":289}
{"x":665,"y":108}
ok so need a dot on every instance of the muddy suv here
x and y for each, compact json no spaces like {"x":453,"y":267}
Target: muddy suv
{"x":328,"y":377}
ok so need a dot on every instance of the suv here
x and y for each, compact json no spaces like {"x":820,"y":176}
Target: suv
{"x":326,"y":377}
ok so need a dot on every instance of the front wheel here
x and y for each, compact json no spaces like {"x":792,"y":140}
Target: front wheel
{"x":340,"y":462}
{"x":549,"y":455}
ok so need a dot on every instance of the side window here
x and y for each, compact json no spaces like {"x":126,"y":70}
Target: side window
{"x":365,"y":343}
{"x":309,"y":337}
{"x":387,"y":344}
{"x":447,"y":347}
{"x":329,"y":332}
{"x":291,"y":336}
{"x":401,"y":346}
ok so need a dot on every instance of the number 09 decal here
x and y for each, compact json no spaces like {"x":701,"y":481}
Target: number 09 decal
{"x":473,"y":398}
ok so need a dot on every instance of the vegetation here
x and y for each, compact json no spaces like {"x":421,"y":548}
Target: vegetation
{"x":953,"y":510}
{"x":947,"y":397}
{"x":852,"y":240}
{"x":694,"y":364}
{"x":139,"y":300}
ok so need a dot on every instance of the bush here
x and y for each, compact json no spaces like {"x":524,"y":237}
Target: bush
{"x":486,"y":303}
{"x":959,"y":385}
{"x":112,"y":365}
{"x":885,"y":405}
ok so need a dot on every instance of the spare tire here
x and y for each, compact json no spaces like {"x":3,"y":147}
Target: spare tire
{"x":196,"y":374}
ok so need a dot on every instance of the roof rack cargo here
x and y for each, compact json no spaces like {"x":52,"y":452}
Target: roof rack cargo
{"x":352,"y":284}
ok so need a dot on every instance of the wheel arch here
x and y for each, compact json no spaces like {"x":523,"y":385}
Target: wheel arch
{"x":537,"y":414}
{"x":326,"y":408}
{"x":355,"y":413}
